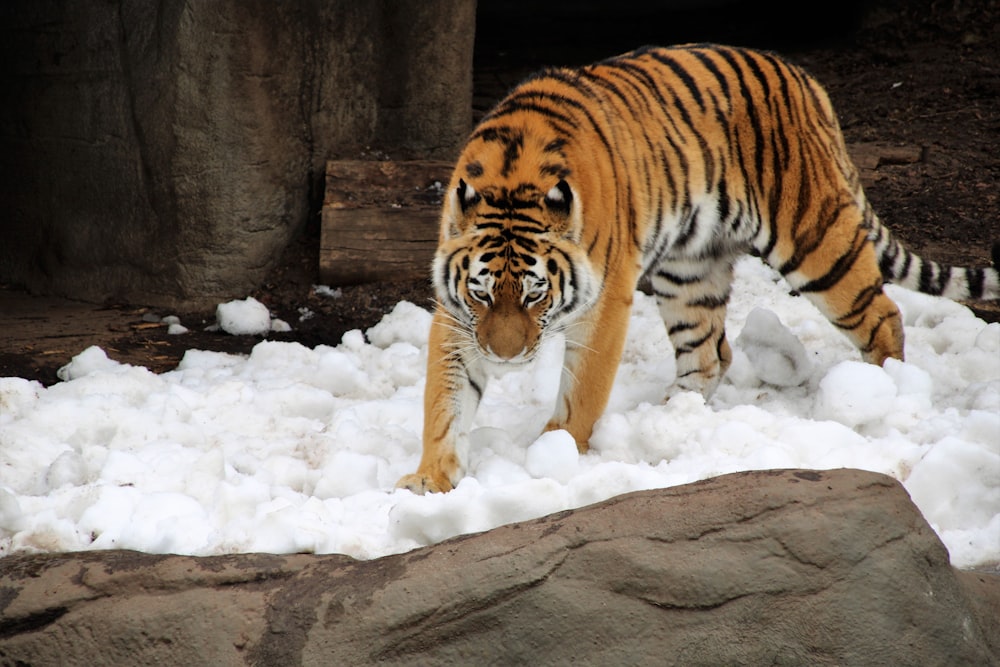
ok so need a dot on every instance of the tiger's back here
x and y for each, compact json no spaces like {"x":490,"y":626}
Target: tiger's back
{"x":664,"y":163}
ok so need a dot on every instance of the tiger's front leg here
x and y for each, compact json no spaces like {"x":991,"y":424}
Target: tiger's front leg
{"x":594,"y":347}
{"x":451,"y":397}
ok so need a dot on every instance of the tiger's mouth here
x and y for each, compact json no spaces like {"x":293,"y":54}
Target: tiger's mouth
{"x":522,"y":358}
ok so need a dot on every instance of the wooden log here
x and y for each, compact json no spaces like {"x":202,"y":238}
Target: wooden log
{"x":868,"y":157}
{"x":380,"y":220}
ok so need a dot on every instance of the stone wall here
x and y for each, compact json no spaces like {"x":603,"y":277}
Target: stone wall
{"x":165,"y":152}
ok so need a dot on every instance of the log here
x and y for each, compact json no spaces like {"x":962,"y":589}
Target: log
{"x":380,"y":220}
{"x":868,"y":157}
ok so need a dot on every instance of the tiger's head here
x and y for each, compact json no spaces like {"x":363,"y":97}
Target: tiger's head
{"x":509,"y":268}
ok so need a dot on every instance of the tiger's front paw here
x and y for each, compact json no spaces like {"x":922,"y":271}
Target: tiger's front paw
{"x":420,"y":484}
{"x":582,"y":446}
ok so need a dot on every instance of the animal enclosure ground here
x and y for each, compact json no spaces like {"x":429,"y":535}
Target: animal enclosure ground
{"x":922,"y":77}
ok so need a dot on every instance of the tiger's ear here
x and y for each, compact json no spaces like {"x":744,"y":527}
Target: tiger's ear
{"x":459,"y":201}
{"x":567,"y":218}
{"x":560,"y":198}
{"x":467,"y":195}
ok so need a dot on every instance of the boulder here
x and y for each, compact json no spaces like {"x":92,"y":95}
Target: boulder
{"x":781,"y":567}
{"x":165,"y":153}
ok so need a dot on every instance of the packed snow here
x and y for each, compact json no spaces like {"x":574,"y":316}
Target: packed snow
{"x":297,"y":450}
{"x":247,"y":317}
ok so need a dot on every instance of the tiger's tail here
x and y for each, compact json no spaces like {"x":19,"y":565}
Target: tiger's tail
{"x":907,"y":269}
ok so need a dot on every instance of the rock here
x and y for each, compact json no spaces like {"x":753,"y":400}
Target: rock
{"x":165,"y":153}
{"x":780,"y":567}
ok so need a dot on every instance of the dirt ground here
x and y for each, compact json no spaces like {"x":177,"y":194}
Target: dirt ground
{"x":918,"y":79}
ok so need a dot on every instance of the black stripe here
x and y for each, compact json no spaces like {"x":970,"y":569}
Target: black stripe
{"x":839,"y":269}
{"x":650,"y":82}
{"x":561,"y":122}
{"x":555,"y":146}
{"x":664,"y":164}
{"x":904,"y":270}
{"x":491,"y":133}
{"x":719,"y":343}
{"x":693,"y":345}
{"x":608,"y":252}
{"x":862,"y":301}
{"x":681,"y":74}
{"x":710,"y":65}
{"x":776,"y":136}
{"x":723,"y":196}
{"x":609,"y":86}
{"x":782,"y":72}
{"x":633,"y":94}
{"x":567,"y":262}
{"x":750,"y":59}
{"x":976,"y":279}
{"x":751,"y":111}
{"x":870,"y":345}
{"x":511,"y":153}
{"x":507,"y":215}
{"x":804,"y":201}
{"x":683,"y":171}
{"x":710,"y":301}
{"x":756,"y":151}
{"x":929,"y":283}
{"x":689,"y":227}
{"x":574,"y":83}
{"x":807,"y":244}
{"x":468,"y":378}
{"x":887,"y":261}
{"x":538,"y":228}
{"x":682,"y":326}
{"x":452,"y":278}
{"x":678,"y":280}
{"x":560,"y":171}
{"x":778,"y":170}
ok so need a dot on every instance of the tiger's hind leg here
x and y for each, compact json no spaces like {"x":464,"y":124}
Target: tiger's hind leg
{"x":692,"y":296}
{"x":841,"y":277}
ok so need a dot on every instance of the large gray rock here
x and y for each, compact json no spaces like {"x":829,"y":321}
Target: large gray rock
{"x":165,"y":152}
{"x":787,"y":567}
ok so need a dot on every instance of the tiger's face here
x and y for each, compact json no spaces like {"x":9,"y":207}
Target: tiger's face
{"x":508,"y":269}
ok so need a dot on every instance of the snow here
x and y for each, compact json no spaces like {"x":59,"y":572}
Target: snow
{"x":247,"y":317}
{"x":174,"y":326}
{"x":294,"y":449}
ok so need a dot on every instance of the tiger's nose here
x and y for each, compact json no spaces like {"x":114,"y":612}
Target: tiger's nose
{"x":507,"y":344}
{"x":506,"y":330}
{"x":505,"y":335}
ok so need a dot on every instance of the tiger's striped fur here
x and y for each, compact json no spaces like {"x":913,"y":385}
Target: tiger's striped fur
{"x":664,"y":163}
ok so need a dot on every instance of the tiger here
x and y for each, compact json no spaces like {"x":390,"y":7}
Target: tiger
{"x":664,"y":164}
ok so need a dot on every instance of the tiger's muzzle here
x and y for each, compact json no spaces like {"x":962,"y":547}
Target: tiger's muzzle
{"x":507,"y":334}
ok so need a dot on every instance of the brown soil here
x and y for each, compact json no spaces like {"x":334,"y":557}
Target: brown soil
{"x":919,"y":75}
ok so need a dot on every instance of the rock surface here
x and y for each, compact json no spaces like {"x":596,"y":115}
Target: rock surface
{"x":165,"y":153}
{"x":781,"y":567}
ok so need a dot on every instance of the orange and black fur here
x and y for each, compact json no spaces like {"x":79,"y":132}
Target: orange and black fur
{"x":667,"y":163}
